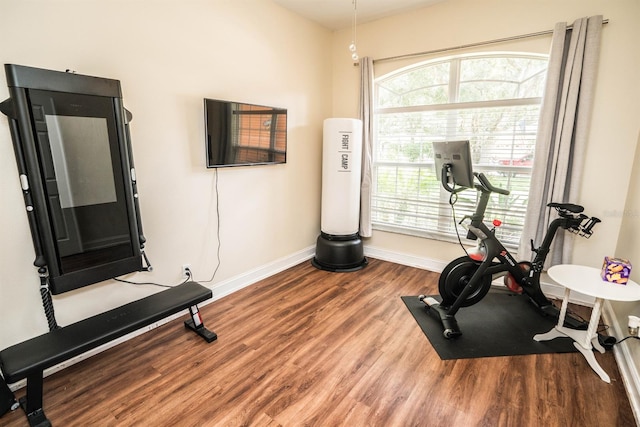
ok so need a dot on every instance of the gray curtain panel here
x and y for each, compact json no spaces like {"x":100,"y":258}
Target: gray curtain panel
{"x":366,"y":115}
{"x":562,"y":132}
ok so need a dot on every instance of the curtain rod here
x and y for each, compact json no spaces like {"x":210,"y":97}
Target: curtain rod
{"x":466,"y":46}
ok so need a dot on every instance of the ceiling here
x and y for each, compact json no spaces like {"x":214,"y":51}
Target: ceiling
{"x":338,"y":14}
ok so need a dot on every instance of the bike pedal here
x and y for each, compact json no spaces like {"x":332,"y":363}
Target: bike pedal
{"x":430,"y":301}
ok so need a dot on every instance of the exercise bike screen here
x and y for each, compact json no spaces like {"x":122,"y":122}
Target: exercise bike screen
{"x":457,"y":154}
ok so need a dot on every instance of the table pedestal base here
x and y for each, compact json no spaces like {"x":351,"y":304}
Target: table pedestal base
{"x":584,"y":341}
{"x":579,"y":337}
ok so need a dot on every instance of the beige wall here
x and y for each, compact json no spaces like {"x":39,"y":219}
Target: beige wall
{"x":614,"y":127}
{"x":169,"y":55}
{"x":629,"y":248}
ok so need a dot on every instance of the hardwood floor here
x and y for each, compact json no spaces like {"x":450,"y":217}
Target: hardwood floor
{"x":313,"y":348}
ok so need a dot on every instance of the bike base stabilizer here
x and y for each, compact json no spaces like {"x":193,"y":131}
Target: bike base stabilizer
{"x":449,"y":322}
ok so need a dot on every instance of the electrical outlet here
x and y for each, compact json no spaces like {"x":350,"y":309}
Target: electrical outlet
{"x":634,"y":325}
{"x":186,"y":271}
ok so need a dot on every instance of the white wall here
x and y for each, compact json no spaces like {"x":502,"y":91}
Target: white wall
{"x":614,"y":126}
{"x":169,"y":55}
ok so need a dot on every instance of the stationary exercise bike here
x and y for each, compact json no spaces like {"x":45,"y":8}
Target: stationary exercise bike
{"x":466,"y":280}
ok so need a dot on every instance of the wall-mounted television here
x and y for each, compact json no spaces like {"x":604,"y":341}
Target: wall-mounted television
{"x":241,"y":134}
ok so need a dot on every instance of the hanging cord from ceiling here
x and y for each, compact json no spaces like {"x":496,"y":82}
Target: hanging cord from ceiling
{"x":353,"y":46}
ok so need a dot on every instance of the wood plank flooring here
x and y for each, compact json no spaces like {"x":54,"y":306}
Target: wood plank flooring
{"x":312,"y":348}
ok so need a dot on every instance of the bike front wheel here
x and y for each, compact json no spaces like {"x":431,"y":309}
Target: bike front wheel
{"x":456,"y":276}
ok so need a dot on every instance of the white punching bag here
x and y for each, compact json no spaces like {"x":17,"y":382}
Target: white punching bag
{"x":339,"y":247}
{"x":341,"y":170}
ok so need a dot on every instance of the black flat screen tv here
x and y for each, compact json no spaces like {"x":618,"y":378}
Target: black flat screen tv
{"x":241,"y":134}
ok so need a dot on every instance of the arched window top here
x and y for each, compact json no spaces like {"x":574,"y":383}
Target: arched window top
{"x":491,"y":99}
{"x":464,"y":78}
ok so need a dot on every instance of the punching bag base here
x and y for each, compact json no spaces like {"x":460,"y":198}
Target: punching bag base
{"x":340,"y":254}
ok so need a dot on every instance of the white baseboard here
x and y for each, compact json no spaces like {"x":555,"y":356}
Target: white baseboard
{"x":229,"y":286}
{"x":219,"y":290}
{"x":628,"y":369}
{"x":405,"y":259}
{"x":550,"y":289}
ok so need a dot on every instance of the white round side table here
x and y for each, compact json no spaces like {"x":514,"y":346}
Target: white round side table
{"x":587,"y":280}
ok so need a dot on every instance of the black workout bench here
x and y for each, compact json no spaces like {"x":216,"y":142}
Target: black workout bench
{"x":30,"y":358}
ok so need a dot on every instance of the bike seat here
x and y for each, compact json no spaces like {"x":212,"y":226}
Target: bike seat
{"x":569,"y":207}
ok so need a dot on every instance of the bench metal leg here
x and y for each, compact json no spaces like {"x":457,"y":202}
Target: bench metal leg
{"x":8,"y":400}
{"x":196,"y":325}
{"x":32,"y":402}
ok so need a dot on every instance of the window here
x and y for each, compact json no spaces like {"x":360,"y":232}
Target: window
{"x":260,"y":133}
{"x":493,"y":100}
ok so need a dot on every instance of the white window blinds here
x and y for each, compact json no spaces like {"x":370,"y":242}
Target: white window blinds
{"x":491,"y":100}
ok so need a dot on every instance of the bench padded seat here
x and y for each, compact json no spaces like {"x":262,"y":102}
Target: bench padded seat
{"x":37,"y":354}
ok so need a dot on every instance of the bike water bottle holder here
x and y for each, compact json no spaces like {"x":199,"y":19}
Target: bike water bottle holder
{"x":476,"y":233}
{"x":470,"y":235}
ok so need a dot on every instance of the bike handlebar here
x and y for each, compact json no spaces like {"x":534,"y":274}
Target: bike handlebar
{"x":486,"y":185}
{"x":444,"y":178}
{"x":587,"y":230}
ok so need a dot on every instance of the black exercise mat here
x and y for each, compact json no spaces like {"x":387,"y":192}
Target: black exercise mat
{"x":502,"y":324}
